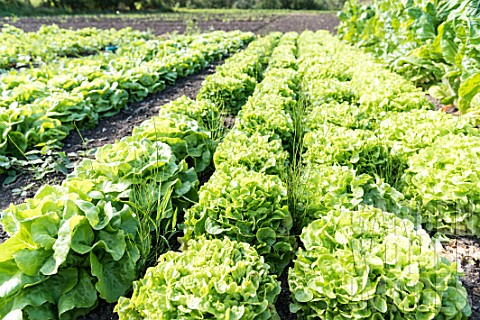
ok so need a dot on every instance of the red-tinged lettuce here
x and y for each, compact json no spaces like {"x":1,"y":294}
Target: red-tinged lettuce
{"x":211,"y":279}
{"x":370,"y":264}
{"x":246,"y":206}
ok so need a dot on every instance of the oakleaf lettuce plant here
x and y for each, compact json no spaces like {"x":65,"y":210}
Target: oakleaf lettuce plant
{"x":279,"y":81}
{"x":328,"y":80}
{"x":204,"y":112}
{"x":211,"y":279}
{"x":228,"y":92}
{"x":267,"y":119}
{"x":322,"y":188}
{"x":284,"y":55}
{"x":188,"y":138}
{"x":358,"y":149}
{"x":269,"y":110}
{"x":443,"y":180}
{"x":341,"y":114}
{"x":257,"y":152}
{"x":117,"y":167}
{"x":396,"y":130}
{"x":370,"y":264}
{"x":234,"y":82}
{"x":246,"y":206}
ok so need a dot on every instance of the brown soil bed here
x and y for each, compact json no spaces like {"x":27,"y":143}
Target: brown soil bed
{"x":466,"y":252}
{"x":300,"y":22}
{"x":159,"y":25}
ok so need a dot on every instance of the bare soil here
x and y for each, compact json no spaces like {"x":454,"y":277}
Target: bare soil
{"x":160,"y":25}
{"x":157,"y":26}
{"x":301,"y":22}
{"x":466,"y":252}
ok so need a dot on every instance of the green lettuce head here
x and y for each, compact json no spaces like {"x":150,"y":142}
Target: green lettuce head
{"x":371,"y":264}
{"x":211,"y":279}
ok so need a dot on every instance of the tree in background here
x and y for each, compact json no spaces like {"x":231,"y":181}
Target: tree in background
{"x":269,"y":4}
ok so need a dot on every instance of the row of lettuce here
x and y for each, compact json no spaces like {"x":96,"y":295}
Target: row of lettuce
{"x":433,"y":43}
{"x":381,"y":126}
{"x":93,"y":235}
{"x":241,"y":220}
{"x":346,"y":150}
{"x":40,"y":106}
{"x":364,"y":254}
{"x":49,"y":43}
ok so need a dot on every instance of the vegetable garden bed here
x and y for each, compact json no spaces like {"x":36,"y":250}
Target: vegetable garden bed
{"x":328,"y":174}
